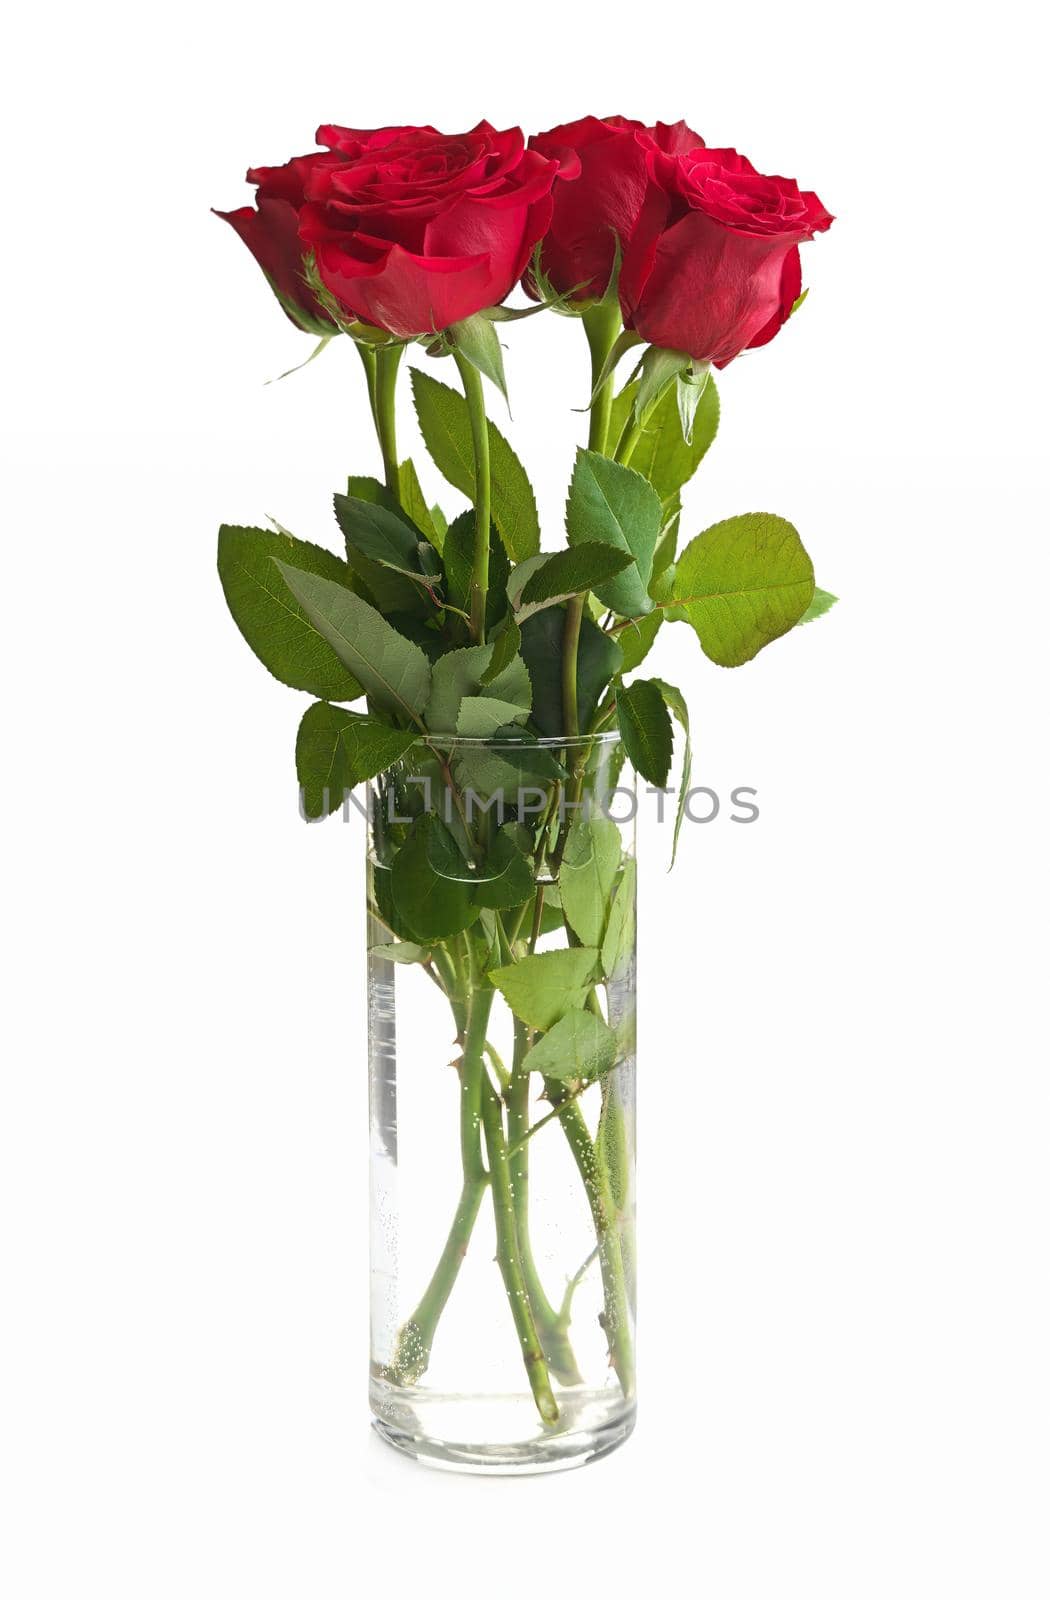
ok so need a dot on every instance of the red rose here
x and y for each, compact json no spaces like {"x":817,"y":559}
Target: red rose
{"x":270,"y":228}
{"x":599,"y":193}
{"x":428,"y":228}
{"x":713,"y":265}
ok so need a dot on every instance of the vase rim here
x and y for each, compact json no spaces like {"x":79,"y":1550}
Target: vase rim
{"x":576,"y":741}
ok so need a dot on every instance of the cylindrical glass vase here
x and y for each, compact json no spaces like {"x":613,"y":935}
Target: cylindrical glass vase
{"x":501,"y":993}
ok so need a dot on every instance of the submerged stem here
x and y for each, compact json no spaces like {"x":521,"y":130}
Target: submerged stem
{"x":616,"y":1317}
{"x":550,"y":1326}
{"x":509,"y":1257}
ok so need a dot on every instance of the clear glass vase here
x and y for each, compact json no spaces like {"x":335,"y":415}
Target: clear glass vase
{"x":501,"y":990}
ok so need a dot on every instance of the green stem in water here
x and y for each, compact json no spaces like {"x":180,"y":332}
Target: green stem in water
{"x":550,"y":1326}
{"x":412,"y":1354}
{"x":387,"y":361}
{"x":616,"y":1317}
{"x":479,"y":431}
{"x":509,"y":1256}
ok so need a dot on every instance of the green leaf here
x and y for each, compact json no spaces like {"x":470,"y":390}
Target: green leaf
{"x":743,"y":583}
{"x":376,"y":493}
{"x":477,"y":340}
{"x":588,"y":872}
{"x":445,"y":425}
{"x":381,"y":547}
{"x":523,"y":765}
{"x":599,"y":658}
{"x":505,"y":646}
{"x":675,"y":703}
{"x":459,"y":561}
{"x":661,"y":454}
{"x":541,"y":989}
{"x":480,"y":716}
{"x":646,"y":729}
{"x":383,"y":536}
{"x":820,"y":604}
{"x":616,"y":506}
{"x":580,"y":1046}
{"x":567,"y":572}
{"x":506,"y":878}
{"x":403,"y":951}
{"x":430,"y":882}
{"x":618,"y":944}
{"x":395,"y":672}
{"x":335,"y":750}
{"x":415,"y":505}
{"x":458,"y":674}
{"x":637,"y":640}
{"x":278,"y":630}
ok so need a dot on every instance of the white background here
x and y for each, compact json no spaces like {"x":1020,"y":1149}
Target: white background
{"x":843,"y":1175}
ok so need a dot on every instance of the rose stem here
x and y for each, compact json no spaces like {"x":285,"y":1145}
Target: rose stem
{"x":551,"y":1329}
{"x":595,"y":1180}
{"x":479,"y":429}
{"x":368,"y":361}
{"x":601,"y":324}
{"x":388,"y":359}
{"x":509,"y":1258}
{"x":414,"y":1341}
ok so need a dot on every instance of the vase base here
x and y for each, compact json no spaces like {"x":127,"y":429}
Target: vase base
{"x":585,"y":1438}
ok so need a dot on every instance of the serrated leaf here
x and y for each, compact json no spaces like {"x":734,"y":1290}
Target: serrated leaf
{"x":568,"y":572}
{"x":481,"y":716}
{"x":819,"y":606}
{"x":381,"y":547}
{"x":274,"y":625}
{"x":675,"y":703}
{"x":541,"y":989}
{"x":505,"y":646}
{"x":615,"y":505}
{"x":743,"y":583}
{"x":403,"y":951}
{"x":458,"y":674}
{"x":580,"y":1046}
{"x":588,"y":872}
{"x":598,"y":660}
{"x":335,"y":750}
{"x":415,"y":505}
{"x":506,"y":878}
{"x":445,"y":424}
{"x":618,"y":943}
{"x":395,"y":672}
{"x":508,"y":767}
{"x":430,"y":882}
{"x":661,"y":454}
{"x":645,"y":725}
{"x":459,"y":559}
{"x":637,"y":640}
{"x":382,"y":535}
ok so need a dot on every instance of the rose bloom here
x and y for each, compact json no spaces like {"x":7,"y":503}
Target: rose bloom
{"x":713,"y":266}
{"x":598,"y":194}
{"x":423,"y":229}
{"x":270,"y":229}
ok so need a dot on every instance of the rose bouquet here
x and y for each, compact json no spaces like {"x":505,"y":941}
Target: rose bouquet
{"x":504,"y":710}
